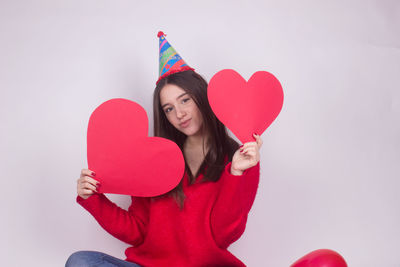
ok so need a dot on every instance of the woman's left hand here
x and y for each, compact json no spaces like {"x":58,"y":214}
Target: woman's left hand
{"x":246,"y":156}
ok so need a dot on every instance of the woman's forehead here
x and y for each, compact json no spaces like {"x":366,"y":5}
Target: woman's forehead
{"x":171,"y":92}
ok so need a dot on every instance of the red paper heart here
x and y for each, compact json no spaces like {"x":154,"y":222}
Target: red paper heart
{"x":321,"y":258}
{"x":245,"y":107}
{"x":124,"y":158}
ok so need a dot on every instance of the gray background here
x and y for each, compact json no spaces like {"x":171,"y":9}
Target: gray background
{"x":330,"y":163}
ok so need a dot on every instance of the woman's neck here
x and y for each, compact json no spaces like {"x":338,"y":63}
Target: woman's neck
{"x":195,"y":149}
{"x":195,"y":141}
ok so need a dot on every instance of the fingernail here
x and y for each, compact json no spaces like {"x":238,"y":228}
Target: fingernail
{"x":93,"y":173}
{"x":255,"y":134}
{"x":241,"y":146}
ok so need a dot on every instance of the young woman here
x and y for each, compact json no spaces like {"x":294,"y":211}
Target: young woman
{"x":194,"y":224}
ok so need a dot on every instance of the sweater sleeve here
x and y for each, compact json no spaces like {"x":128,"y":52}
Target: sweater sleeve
{"x":127,"y":225}
{"x":234,"y":201}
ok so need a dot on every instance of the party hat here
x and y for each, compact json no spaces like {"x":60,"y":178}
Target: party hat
{"x":170,"y":61}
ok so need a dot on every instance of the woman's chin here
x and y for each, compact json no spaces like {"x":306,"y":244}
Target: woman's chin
{"x":189,"y":132}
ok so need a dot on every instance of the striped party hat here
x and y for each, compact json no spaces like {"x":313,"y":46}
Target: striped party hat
{"x":170,"y":61}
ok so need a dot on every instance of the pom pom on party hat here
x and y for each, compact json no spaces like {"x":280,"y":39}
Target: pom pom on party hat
{"x":170,"y":61}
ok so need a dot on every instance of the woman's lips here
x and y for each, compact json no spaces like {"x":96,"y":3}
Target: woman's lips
{"x":185,"y":123}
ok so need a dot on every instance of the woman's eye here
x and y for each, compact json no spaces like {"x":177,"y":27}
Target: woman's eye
{"x":167,"y":110}
{"x":185,"y":100}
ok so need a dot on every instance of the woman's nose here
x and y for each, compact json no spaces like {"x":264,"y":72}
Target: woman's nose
{"x":180,"y":113}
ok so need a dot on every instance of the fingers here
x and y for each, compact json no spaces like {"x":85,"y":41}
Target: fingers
{"x":87,"y":179}
{"x":250,"y":151}
{"x":258,"y":139}
{"x":86,"y":172}
{"x":86,"y":185}
{"x":248,"y":144}
{"x":258,"y":143}
{"x":85,"y":189}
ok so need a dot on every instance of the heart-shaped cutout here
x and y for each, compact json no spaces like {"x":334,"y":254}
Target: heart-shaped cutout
{"x":321,"y":258}
{"x":125,"y":160}
{"x":245,"y":107}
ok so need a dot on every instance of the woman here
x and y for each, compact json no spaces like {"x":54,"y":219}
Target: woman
{"x":194,"y":224}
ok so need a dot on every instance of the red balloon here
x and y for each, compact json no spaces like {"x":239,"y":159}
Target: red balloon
{"x":124,"y":158}
{"x":245,"y":107}
{"x":321,"y":258}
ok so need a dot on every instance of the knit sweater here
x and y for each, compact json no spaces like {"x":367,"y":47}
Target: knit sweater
{"x":161,"y":234}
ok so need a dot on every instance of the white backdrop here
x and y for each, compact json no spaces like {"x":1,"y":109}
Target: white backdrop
{"x":330,"y":163}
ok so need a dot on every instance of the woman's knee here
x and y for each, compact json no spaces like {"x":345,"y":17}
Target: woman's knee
{"x":80,"y":259}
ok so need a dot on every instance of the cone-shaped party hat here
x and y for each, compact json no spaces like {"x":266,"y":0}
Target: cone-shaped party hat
{"x":170,"y":61}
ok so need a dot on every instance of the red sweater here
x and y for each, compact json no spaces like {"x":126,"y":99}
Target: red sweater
{"x":161,"y":234}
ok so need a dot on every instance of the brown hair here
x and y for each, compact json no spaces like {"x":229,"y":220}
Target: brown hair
{"x":221,"y":145}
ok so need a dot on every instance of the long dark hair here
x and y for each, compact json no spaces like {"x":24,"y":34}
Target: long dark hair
{"x":221,"y":145}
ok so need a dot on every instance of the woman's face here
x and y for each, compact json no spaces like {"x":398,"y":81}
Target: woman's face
{"x":181,"y":110}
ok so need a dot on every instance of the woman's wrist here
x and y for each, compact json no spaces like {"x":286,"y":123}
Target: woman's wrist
{"x":235,"y":171}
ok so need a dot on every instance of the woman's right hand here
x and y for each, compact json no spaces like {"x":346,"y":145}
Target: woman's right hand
{"x":87,"y":186}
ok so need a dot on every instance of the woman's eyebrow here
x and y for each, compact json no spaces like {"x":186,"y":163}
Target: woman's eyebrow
{"x":181,"y":95}
{"x":164,"y":105}
{"x":176,"y":98}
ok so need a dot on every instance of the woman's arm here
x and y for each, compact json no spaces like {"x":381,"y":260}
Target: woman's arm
{"x":128,"y":226}
{"x":234,"y":201}
{"x":239,"y":183}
